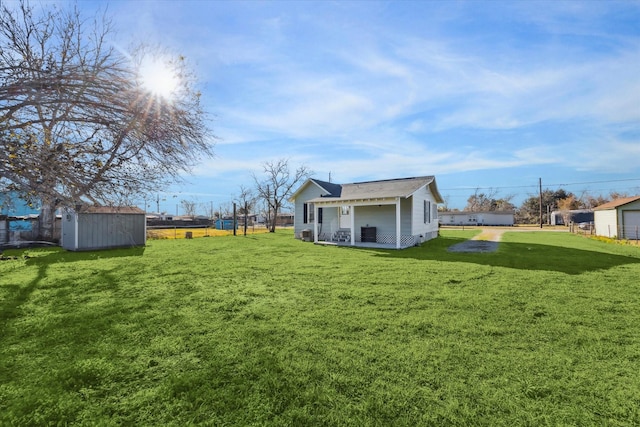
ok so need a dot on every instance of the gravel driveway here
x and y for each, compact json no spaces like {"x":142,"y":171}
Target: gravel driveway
{"x":488,"y":239}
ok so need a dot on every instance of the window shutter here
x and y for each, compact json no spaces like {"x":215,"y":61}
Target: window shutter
{"x":305,"y":211}
{"x":319,"y":215}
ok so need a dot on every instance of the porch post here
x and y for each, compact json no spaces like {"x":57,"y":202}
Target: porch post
{"x":352,"y":211}
{"x":398,"y":222}
{"x":315,"y":223}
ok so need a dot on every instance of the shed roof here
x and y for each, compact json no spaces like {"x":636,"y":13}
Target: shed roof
{"x":616,"y":203}
{"x":477,"y":212}
{"x":111,"y":209}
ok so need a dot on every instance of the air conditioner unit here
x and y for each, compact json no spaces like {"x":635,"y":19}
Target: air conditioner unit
{"x":306,"y":235}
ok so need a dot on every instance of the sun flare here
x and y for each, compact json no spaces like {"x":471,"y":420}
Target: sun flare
{"x":159,"y":77}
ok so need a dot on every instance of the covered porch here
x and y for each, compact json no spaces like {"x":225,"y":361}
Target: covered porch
{"x":373,"y":223}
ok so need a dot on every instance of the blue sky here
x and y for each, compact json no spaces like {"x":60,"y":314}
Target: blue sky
{"x":482,"y":94}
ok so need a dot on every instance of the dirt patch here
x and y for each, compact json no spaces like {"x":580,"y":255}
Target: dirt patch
{"x":487,"y":241}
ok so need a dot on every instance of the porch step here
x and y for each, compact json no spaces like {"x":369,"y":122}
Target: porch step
{"x":342,"y":235}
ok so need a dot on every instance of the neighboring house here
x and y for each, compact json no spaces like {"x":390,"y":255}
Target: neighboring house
{"x":395,"y":213}
{"x":19,"y":219}
{"x":477,"y":218}
{"x":574,"y":215}
{"x":103,"y":227}
{"x":619,"y":218}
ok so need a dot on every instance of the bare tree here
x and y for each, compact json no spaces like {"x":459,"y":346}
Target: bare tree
{"x":481,"y":202}
{"x":189,"y":208}
{"x":247,"y":200}
{"x":566,"y":205}
{"x":277,"y":185}
{"x":77,"y":122}
{"x":487,"y":202}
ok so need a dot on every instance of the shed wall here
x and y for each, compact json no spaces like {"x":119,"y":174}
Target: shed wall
{"x":606,"y":223}
{"x":91,"y":231}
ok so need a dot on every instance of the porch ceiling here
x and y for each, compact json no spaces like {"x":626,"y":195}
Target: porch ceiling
{"x":327,"y":202}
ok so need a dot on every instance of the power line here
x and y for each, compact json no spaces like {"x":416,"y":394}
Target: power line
{"x":536,"y":185}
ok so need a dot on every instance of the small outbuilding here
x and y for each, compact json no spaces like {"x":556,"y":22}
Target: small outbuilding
{"x":619,"y":218}
{"x":103,"y":227}
{"x":573,"y":215}
{"x":504,"y":218}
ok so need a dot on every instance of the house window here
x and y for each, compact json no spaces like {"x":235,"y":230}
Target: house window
{"x":344,"y":210}
{"x":426,"y":211}
{"x":473,"y":218}
{"x":307,"y":213}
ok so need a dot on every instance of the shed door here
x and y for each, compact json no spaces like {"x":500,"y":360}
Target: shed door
{"x":631,"y":221}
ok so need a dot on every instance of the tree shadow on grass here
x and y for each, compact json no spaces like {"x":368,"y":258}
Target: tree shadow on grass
{"x":53,"y":255}
{"x":524,"y":256}
{"x":42,"y":258}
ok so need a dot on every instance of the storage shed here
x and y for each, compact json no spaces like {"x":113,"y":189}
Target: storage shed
{"x":619,"y":218}
{"x":103,"y":227}
{"x":505,"y":218}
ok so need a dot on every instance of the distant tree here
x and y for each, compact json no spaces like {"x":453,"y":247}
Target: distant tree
{"x":529,"y":212}
{"x":444,"y":207}
{"x":617,"y":195}
{"x":189,"y":207}
{"x":590,"y":202}
{"x":77,"y":122}
{"x":247,"y":200}
{"x":566,"y":205}
{"x":480,"y":202}
{"x":276,"y":185}
{"x":487,"y":202}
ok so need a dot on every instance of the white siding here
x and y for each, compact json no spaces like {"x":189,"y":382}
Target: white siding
{"x":382,"y":217}
{"x":420,"y":228}
{"x":606,"y":223}
{"x":312,"y":191}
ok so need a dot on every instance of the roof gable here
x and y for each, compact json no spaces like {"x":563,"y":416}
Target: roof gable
{"x":616,"y":203}
{"x":331,"y":189}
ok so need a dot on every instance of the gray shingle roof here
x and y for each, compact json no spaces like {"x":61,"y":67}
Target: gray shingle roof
{"x":401,"y":187}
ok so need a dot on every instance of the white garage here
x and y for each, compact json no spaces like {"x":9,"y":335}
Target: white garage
{"x":619,"y":218}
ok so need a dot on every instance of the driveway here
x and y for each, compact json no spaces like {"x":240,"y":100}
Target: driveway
{"x":488,"y":239}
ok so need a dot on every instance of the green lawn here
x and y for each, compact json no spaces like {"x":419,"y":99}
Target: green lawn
{"x":267,"y":330}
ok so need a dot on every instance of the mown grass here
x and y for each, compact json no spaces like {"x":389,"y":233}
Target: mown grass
{"x":180,"y":233}
{"x":268,"y":330}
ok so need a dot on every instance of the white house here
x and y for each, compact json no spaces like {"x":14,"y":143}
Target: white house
{"x":619,"y":218}
{"x":395,"y":213}
{"x":477,"y":218}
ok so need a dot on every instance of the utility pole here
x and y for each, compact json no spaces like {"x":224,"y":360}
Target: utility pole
{"x":235,"y":218}
{"x":540,"y":183}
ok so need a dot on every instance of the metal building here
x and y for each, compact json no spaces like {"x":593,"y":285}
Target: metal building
{"x":103,"y":227}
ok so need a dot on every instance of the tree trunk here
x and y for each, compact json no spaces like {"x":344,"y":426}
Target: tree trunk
{"x":274,"y":220}
{"x":46,"y":221}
